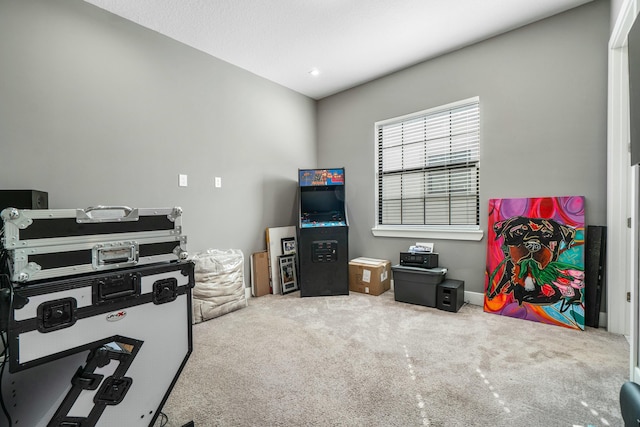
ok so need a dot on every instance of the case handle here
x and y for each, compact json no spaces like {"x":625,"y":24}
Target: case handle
{"x":114,"y":254}
{"x":106,"y":214}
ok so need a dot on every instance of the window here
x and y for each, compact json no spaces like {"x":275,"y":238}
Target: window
{"x":428,"y":170}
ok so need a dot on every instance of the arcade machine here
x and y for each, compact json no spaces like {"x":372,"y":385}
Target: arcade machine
{"x":323,"y":227}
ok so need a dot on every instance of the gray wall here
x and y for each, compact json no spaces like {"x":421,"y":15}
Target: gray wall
{"x":616,"y":6}
{"x":97,"y":110}
{"x":543,"y":97}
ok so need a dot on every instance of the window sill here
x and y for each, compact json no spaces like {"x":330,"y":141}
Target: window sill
{"x":471,"y":234}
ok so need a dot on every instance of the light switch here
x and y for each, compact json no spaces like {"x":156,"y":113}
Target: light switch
{"x":182,"y":180}
{"x":218,"y":181}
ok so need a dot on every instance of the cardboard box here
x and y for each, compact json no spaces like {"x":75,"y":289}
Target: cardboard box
{"x":369,"y":275}
{"x":260,"y":274}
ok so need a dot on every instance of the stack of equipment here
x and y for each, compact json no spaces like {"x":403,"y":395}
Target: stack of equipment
{"x":96,"y":307}
{"x":419,"y":280}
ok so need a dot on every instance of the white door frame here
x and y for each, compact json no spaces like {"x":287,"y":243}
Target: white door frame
{"x":622,"y":200}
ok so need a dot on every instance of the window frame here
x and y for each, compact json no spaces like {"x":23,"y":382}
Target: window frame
{"x":446,"y":232}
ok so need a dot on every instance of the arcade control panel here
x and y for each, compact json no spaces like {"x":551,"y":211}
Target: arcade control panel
{"x":324,"y":251}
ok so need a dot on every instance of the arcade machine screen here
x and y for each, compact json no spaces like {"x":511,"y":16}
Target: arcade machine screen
{"x":322,"y":198}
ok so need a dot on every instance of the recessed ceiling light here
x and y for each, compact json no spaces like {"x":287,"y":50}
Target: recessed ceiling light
{"x":314,"y":72}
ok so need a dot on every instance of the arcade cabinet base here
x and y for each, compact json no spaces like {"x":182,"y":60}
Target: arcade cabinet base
{"x":324,"y":267}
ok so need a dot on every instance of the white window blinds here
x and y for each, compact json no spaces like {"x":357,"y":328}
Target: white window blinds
{"x":428,"y":167}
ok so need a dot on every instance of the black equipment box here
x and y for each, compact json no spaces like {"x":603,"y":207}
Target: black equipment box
{"x":416,"y":285}
{"x":419,"y":259}
{"x":450,"y":295}
{"x":24,"y":199}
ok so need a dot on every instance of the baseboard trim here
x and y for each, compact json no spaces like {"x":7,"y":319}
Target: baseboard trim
{"x":477,"y":298}
{"x":474,"y":298}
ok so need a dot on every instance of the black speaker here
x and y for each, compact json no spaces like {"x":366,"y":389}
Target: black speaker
{"x":594,"y":272}
{"x":450,"y":295}
{"x":24,"y":199}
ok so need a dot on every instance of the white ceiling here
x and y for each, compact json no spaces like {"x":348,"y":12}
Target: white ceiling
{"x":349,"y":41}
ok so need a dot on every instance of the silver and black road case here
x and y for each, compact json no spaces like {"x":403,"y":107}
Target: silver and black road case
{"x":102,"y":349}
{"x":95,"y":305}
{"x":51,"y":243}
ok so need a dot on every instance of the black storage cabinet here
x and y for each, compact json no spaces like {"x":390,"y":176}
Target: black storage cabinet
{"x":416,"y":285}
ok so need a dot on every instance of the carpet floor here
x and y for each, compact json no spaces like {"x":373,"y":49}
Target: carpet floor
{"x":362,"y":360}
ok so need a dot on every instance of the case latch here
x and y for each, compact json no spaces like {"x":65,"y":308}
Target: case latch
{"x":58,"y":314}
{"x":165,"y":290}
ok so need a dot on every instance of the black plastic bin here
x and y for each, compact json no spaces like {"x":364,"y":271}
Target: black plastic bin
{"x":416,"y":285}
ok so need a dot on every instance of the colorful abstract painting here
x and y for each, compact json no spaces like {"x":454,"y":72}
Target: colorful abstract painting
{"x":535,"y":260}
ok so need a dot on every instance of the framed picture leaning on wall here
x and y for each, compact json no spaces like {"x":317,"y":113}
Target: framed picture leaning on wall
{"x":288,"y":245}
{"x":288,"y":277}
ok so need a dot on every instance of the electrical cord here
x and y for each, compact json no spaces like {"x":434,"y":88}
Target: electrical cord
{"x":164,"y":419}
{"x":4,"y":362}
{"x":5,"y":350}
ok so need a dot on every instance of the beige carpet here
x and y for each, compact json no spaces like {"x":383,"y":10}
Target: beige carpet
{"x":361,"y":360}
